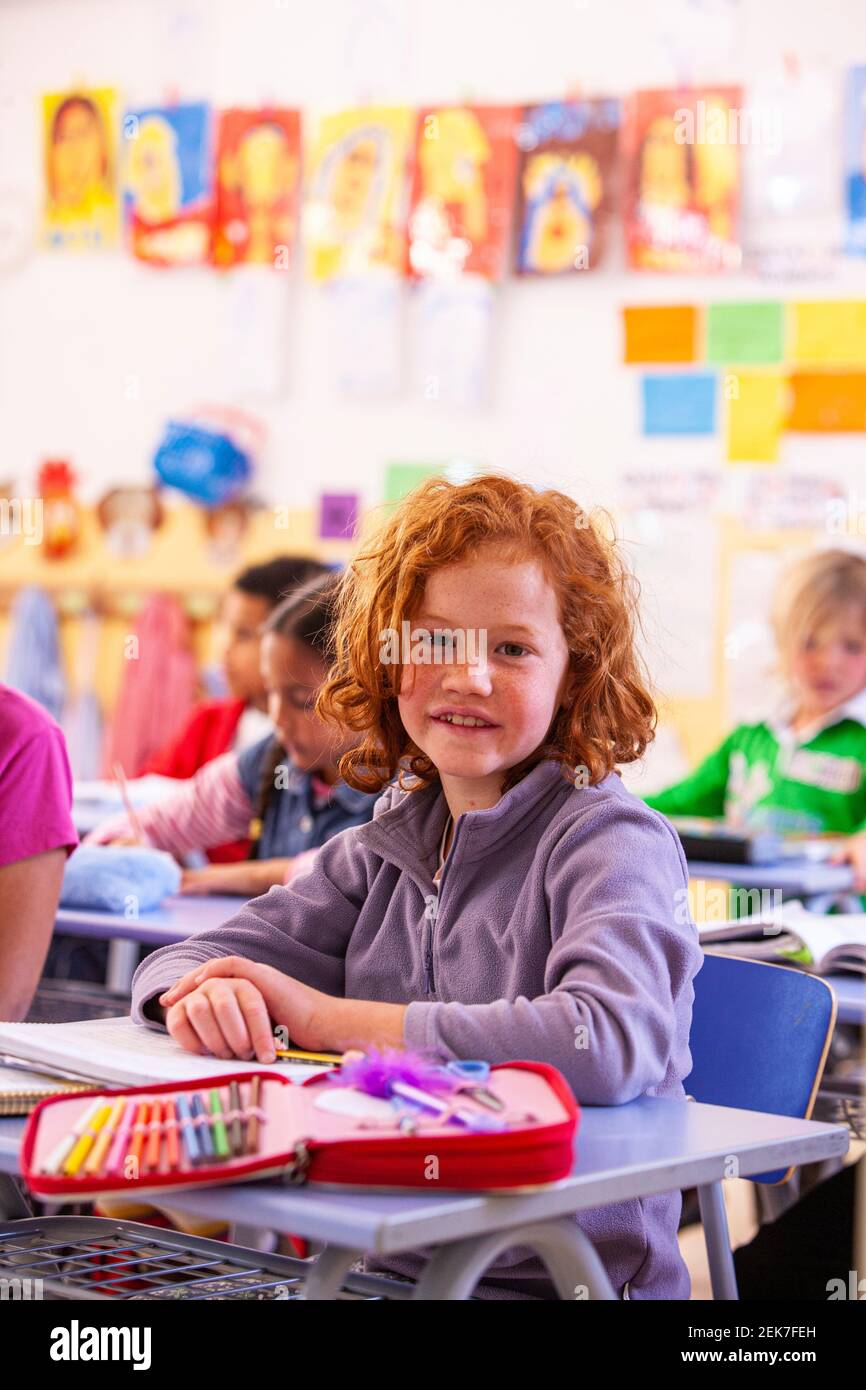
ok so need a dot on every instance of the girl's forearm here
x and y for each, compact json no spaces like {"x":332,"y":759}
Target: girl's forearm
{"x":361,"y":1023}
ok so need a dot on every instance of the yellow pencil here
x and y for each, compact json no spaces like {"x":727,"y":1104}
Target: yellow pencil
{"x":294,"y":1054}
{"x":85,"y":1142}
{"x":94,"y":1162}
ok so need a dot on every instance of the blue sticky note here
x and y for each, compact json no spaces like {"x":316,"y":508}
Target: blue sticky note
{"x":679,"y":403}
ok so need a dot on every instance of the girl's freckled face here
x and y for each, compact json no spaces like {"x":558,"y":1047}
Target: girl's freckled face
{"x":509,"y":679}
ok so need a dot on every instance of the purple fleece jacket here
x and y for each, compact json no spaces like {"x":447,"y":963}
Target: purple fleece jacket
{"x":559,"y":934}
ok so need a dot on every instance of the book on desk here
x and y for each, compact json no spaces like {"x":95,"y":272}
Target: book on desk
{"x":714,"y":842}
{"x":792,"y":935}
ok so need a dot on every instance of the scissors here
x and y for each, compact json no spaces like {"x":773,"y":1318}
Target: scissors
{"x":474,"y":1075}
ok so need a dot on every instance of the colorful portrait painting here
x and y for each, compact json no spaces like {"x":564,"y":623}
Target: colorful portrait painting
{"x":567,"y":185}
{"x":355,"y":209}
{"x":166,"y":184}
{"x":682,"y":154}
{"x":463,"y":187}
{"x":79,"y":131}
{"x":258,"y":187}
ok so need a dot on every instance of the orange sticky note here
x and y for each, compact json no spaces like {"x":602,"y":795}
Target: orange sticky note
{"x":830,"y":332}
{"x":756,"y":407}
{"x":825,"y":401}
{"x":660,"y":333}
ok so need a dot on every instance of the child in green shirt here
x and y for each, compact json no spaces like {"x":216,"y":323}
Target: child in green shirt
{"x":804,"y":770}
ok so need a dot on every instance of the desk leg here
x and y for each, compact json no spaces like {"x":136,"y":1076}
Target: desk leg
{"x":122,"y":960}
{"x":328,"y":1271}
{"x":14,"y":1206}
{"x":454,"y":1269}
{"x":719,"y":1254}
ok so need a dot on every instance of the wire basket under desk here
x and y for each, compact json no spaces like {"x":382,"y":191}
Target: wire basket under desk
{"x":99,"y":1259}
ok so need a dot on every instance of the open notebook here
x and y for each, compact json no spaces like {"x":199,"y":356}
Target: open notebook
{"x":118,"y":1052}
{"x":791,"y":933}
{"x":21,"y":1089}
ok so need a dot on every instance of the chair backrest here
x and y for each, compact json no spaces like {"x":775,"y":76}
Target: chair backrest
{"x":759,"y":1039}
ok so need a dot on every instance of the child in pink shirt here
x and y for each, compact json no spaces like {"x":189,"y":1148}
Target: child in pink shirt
{"x":36,"y":834}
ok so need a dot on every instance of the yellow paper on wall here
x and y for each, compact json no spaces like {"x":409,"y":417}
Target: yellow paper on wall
{"x":830,"y":331}
{"x":756,"y":404}
{"x":355,"y":204}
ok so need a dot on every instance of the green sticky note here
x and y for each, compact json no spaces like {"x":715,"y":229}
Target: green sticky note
{"x":401,"y":478}
{"x":802,"y":955}
{"x":740,"y":333}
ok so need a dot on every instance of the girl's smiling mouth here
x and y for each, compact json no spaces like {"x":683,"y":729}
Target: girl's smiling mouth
{"x":463,"y":719}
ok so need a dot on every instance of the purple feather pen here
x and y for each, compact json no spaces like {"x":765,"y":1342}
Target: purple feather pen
{"x":410,"y":1076}
{"x":376,"y":1072}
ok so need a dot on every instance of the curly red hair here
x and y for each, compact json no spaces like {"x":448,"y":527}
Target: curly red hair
{"x":611,"y":718}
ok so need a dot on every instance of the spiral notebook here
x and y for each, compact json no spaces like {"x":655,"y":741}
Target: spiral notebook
{"x":21,"y":1090}
{"x":118,"y":1052}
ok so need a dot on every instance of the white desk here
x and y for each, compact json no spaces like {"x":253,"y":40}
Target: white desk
{"x":177,"y":918}
{"x":622,"y":1152}
{"x":816,"y":883}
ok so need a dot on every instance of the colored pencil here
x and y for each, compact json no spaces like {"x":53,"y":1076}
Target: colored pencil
{"x":253,"y":1126}
{"x":139,"y":1134}
{"x":188,"y":1132}
{"x":220,"y":1138}
{"x":120,"y":1147}
{"x":120,"y":778}
{"x":62,"y":1149}
{"x":237,"y":1130}
{"x":85,"y":1141}
{"x":205,"y":1138}
{"x":100,"y":1149}
{"x":154,"y":1138}
{"x":172,"y":1148}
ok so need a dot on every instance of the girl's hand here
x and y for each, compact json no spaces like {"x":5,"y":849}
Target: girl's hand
{"x":229,"y":1007}
{"x":854,"y":853}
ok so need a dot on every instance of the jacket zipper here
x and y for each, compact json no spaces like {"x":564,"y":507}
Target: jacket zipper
{"x":432,"y":905}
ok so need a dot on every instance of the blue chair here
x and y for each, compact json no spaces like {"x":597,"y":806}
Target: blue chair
{"x":759,"y":1040}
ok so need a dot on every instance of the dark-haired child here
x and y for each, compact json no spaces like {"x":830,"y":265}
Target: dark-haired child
{"x":285,"y":792}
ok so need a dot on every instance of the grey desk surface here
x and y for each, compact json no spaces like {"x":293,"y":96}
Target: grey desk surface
{"x":850,"y":991}
{"x":622,"y":1152}
{"x":176,"y":919}
{"x":795,"y":877}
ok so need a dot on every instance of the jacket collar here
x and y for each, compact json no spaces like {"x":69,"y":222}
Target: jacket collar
{"x":781,"y":725}
{"x":408,"y":833}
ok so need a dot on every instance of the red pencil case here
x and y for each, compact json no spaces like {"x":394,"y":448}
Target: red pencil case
{"x":301,"y":1142}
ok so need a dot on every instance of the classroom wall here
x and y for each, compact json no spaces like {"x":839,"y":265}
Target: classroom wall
{"x":96,"y":352}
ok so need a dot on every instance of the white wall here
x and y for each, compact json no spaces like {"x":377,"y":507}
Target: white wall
{"x":75,"y":332}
